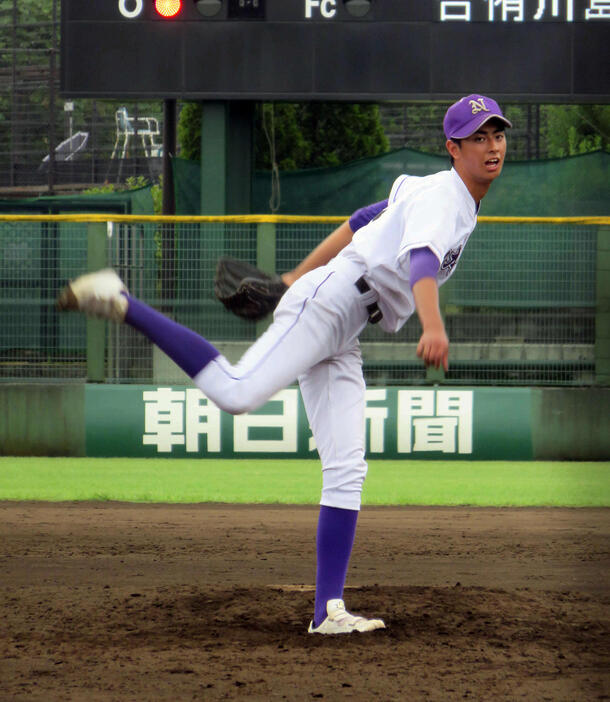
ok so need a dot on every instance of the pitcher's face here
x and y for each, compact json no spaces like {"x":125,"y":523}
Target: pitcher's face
{"x":479,"y":158}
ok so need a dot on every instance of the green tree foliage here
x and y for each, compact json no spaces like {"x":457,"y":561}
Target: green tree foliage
{"x":28,"y":12}
{"x":189,"y":131}
{"x":278,"y":127}
{"x":132,"y":183}
{"x":570,"y":130}
{"x":317,"y":134}
{"x":417,"y":125}
{"x":297,"y":136}
{"x":33,"y":28}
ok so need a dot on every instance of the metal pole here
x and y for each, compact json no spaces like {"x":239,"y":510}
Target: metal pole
{"x":169,"y":150}
{"x":52,"y":55}
{"x":537,"y":130}
{"x":93,"y":133}
{"x":12,"y":181}
{"x":529,"y":131}
{"x":168,"y":273}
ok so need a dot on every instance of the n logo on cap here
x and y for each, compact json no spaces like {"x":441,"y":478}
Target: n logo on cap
{"x":478,"y":106}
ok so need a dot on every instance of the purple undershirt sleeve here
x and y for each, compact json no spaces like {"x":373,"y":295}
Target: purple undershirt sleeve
{"x":365,"y":214}
{"x":422,"y":264}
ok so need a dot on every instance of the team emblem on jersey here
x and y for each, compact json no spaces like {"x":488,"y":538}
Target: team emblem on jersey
{"x":450,"y":261}
{"x":478,"y":106}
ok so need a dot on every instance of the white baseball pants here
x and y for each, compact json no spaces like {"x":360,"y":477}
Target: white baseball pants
{"x":313,"y":338}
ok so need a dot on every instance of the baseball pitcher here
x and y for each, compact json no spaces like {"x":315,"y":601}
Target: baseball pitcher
{"x":390,"y":269}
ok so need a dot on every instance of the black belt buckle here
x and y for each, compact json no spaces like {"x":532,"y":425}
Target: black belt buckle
{"x":375,"y":314}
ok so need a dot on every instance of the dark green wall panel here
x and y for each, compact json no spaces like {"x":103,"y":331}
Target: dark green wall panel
{"x":42,"y":420}
{"x":571,"y":424}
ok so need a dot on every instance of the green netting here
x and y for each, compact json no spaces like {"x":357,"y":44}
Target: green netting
{"x":566,"y":187}
{"x":343,"y":189}
{"x":551,"y":188}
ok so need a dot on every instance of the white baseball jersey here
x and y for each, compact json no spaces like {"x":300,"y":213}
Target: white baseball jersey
{"x":436,"y":211}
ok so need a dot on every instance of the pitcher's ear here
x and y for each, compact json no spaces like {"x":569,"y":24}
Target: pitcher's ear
{"x":453,"y":147}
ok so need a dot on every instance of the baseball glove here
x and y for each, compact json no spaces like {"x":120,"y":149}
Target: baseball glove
{"x":245,"y":290}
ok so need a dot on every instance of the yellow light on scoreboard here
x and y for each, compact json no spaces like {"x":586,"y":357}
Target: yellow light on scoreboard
{"x":168,"y":8}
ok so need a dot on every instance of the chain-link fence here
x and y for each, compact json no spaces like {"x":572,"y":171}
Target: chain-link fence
{"x":49,"y":144}
{"x":521,"y":309}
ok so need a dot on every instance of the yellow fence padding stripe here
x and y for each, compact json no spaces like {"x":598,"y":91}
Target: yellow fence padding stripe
{"x":266,"y":219}
{"x":176,"y":219}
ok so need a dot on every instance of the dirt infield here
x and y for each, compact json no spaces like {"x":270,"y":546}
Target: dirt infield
{"x":209,"y":602}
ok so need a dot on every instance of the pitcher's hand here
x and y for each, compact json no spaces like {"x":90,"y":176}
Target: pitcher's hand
{"x":433,"y":348}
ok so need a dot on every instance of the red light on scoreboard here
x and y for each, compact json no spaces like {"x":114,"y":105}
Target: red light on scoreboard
{"x":168,"y":8}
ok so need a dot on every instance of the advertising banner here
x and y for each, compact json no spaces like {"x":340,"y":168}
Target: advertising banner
{"x":402,"y":422}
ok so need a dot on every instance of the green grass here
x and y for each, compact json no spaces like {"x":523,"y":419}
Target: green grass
{"x":408,"y":482}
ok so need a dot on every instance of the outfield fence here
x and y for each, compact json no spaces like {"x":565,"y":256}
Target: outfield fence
{"x":528,"y":305}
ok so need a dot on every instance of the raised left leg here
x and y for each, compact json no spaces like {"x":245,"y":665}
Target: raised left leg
{"x":303,"y":332}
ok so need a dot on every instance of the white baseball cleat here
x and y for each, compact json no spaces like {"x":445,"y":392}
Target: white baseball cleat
{"x":96,"y":294}
{"x":339,"y":621}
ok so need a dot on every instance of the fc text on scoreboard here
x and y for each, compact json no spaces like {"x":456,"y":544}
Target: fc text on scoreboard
{"x":365,"y":50}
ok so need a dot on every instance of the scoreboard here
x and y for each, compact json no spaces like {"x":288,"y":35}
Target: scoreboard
{"x":353,"y":50}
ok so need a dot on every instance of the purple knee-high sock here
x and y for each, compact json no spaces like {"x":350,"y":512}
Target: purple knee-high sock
{"x":336,"y":531}
{"x":186,"y":348}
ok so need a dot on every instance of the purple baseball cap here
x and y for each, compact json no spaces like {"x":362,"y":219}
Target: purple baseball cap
{"x":467,"y":115}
